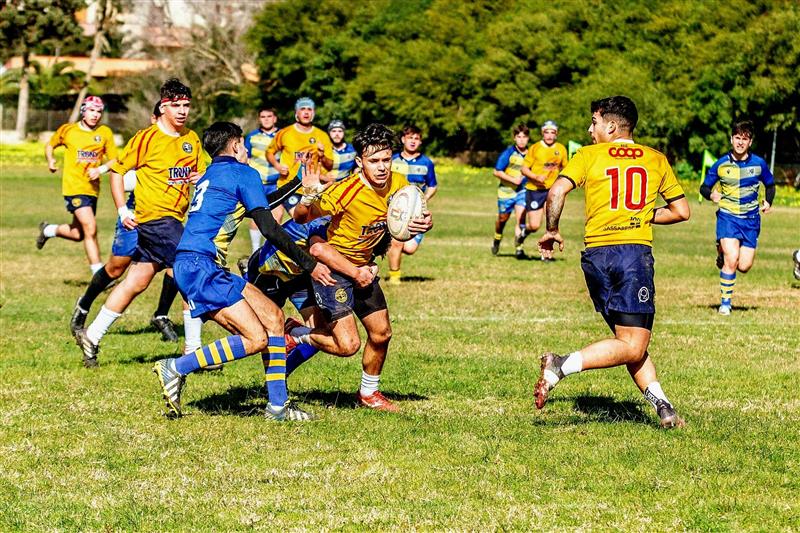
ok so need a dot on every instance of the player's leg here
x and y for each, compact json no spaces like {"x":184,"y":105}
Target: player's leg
{"x":101,"y":280}
{"x":533,"y":221}
{"x":394,"y":256}
{"x":370,"y":307}
{"x":727,"y":274}
{"x":746,"y":257}
{"x":520,"y":231}
{"x":88,"y":228}
{"x":499,"y":225}
{"x":255,"y":237}
{"x":160,"y":319}
{"x":796,"y":260}
{"x":644,"y":375}
{"x":411,"y":246}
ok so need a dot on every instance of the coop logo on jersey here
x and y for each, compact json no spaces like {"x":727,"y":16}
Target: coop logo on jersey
{"x":179,"y":175}
{"x":625,"y":152}
{"x":644,"y":294}
{"x":88,"y":155}
{"x":187,"y":147}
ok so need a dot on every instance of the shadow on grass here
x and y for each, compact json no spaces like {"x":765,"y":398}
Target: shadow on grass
{"x":597,"y":409}
{"x":152,"y":358}
{"x":733,"y":307}
{"x":527,"y":257}
{"x":76,"y":282}
{"x":416,"y":279}
{"x":146,"y":329}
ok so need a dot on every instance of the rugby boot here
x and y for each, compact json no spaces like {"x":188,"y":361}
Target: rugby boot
{"x":549,"y":376}
{"x":166,"y":327}
{"x":171,"y":385}
{"x":78,"y":320}
{"x":519,"y":253}
{"x":287,"y":413}
{"x":376,"y":401}
{"x":669,"y":417}
{"x":495,"y":246}
{"x":89,"y":349}
{"x":725,"y":309}
{"x":41,"y":239}
{"x":796,"y":258}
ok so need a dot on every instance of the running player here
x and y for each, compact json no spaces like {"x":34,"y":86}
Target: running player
{"x":542,"y":164}
{"x":738,"y":220}
{"x":357,"y":206}
{"x":257,"y":142}
{"x":124,"y":245}
{"x":293,"y":144}
{"x":87,"y":143}
{"x":419,"y":170}
{"x":344,"y":155}
{"x":622,"y":180}
{"x":214,"y":293}
{"x":511,"y":189}
{"x":167,"y":158}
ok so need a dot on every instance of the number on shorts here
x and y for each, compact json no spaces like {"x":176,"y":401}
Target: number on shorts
{"x":635,"y":183}
{"x":197,"y":201}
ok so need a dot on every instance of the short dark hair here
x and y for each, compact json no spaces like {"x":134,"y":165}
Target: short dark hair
{"x":743,"y":128}
{"x":521,"y":128}
{"x":373,"y":138}
{"x":217,"y":136}
{"x":173,"y":88}
{"x":157,"y":109}
{"x":410,"y":129}
{"x":620,"y":108}
{"x":269,"y":109}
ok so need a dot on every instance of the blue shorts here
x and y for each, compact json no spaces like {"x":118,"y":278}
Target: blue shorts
{"x":205,"y":285}
{"x":534,"y":200}
{"x":506,"y":206}
{"x":73,"y":203}
{"x":158,"y":241}
{"x":344,"y":298}
{"x":620,"y":278}
{"x":125,"y":241}
{"x":733,"y":227}
{"x":297,"y":290}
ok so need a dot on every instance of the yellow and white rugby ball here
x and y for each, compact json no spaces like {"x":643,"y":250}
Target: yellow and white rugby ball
{"x":406,"y":204}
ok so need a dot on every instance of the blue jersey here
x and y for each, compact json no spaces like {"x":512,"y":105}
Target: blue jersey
{"x":257,"y":142}
{"x":227,"y":186}
{"x":510,"y":162}
{"x":273,"y":262}
{"x":739,"y":183}
{"x":344,"y":161}
{"x":418,"y":171}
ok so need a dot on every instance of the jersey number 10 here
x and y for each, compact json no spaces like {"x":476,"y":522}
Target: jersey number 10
{"x":635,"y":183}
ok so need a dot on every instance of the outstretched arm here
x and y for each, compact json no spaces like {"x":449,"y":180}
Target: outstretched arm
{"x":555,"y":205}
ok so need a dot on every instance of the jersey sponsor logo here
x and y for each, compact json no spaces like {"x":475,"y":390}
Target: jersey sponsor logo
{"x":625,"y":152}
{"x":187,"y":147}
{"x":179,"y":175}
{"x":88,"y":155}
{"x":633,"y":223}
{"x":373,"y":229}
{"x":644,"y":294}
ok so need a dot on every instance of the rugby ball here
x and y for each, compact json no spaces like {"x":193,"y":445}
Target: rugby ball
{"x":404,"y":205}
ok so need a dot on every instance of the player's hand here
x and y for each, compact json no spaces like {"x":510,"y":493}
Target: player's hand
{"x":93,"y":173}
{"x":283,"y":170}
{"x":130,"y":223}
{"x":716,"y":196}
{"x":548,"y":240}
{"x":311,"y":173}
{"x":194,"y":177}
{"x":322,"y":275}
{"x":365,"y":276}
{"x":51,"y":166}
{"x":421,"y":225}
{"x":765,"y":207}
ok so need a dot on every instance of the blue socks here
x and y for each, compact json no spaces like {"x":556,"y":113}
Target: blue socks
{"x":220,"y":351}
{"x":274,"y":360}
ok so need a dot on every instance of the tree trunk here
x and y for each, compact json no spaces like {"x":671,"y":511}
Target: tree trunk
{"x":22,"y":101}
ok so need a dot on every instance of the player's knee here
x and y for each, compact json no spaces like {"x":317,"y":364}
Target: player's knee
{"x":113,"y":270}
{"x":410,"y":247}
{"x":744,"y":267}
{"x":349,"y":345}
{"x":381,"y":335}
{"x":255,"y":341}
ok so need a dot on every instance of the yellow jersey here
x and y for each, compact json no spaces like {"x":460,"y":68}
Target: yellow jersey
{"x":163,"y":163}
{"x":358,"y":215}
{"x":622,"y":181}
{"x":547,"y":160}
{"x":85,"y":149}
{"x":294,"y":144}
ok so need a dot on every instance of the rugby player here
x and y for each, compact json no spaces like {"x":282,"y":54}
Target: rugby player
{"x":293,"y":144}
{"x":622,"y":180}
{"x":344,"y":155}
{"x":357,"y":206}
{"x":257,"y":142}
{"x":87,"y":143}
{"x":542,"y":164}
{"x":167,"y":158}
{"x":419,"y":170}
{"x":214,"y":293}
{"x":511,"y":189}
{"x":121,"y":251}
{"x":738,"y":220}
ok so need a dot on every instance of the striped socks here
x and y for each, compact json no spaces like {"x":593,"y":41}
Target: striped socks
{"x":220,"y":351}
{"x":274,"y":360}
{"x":726,"y":283}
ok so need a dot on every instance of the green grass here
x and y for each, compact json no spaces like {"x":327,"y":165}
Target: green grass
{"x":90,"y":450}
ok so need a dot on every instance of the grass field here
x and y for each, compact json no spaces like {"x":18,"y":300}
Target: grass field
{"x":90,"y":450}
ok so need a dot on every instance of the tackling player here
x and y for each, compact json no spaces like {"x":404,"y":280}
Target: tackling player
{"x":87,"y":143}
{"x":214,"y":293}
{"x":738,"y":220}
{"x":511,"y":189}
{"x":542,"y":164}
{"x":622,"y":180}
{"x":344,"y":155}
{"x":257,"y":142}
{"x":419,"y":170}
{"x":357,"y":206}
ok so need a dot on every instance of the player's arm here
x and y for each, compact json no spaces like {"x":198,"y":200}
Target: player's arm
{"x":118,"y":194}
{"x":325,"y":151}
{"x":273,"y":149}
{"x":327,"y":254}
{"x":502,"y":176}
{"x":277,"y":197}
{"x":536,"y":178}
{"x":769,"y":197}
{"x":706,"y":189}
{"x":430,"y":192}
{"x":555,"y":205}
{"x":676,"y":210}
{"x":51,"y":160}
{"x":95,"y":172}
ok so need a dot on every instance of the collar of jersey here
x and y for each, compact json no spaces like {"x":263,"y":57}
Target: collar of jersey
{"x":409,"y":160}
{"x":734,"y":160}
{"x":165,"y":132}
{"x":224,"y":159}
{"x":623,"y":141}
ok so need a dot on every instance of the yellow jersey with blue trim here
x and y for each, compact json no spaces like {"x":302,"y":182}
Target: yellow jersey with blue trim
{"x":163,"y":164}
{"x":545,"y":160}
{"x":293,"y":144}
{"x":622,"y":181}
{"x":257,"y":142}
{"x":85,"y":149}
{"x":358,"y":214}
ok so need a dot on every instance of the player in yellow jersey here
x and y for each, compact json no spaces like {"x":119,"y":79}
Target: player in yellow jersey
{"x":543,"y":162}
{"x":295,"y":143}
{"x":622,"y":180}
{"x":357,"y":206}
{"x":87,"y":144}
{"x":167,"y":158}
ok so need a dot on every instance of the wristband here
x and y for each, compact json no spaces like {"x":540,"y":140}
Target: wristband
{"x":308,"y":199}
{"x":124,"y":213}
{"x":102,"y":169}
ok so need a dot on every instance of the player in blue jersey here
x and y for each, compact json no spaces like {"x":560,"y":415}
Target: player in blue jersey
{"x":739,"y":173}
{"x":418,"y":170}
{"x":256,"y":142}
{"x":344,"y":155}
{"x":214,"y":293}
{"x":511,"y":189}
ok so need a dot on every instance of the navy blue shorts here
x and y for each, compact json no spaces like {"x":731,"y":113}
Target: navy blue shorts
{"x":534,"y":200}
{"x":744,"y":229}
{"x":158,"y":241}
{"x":298,"y":290}
{"x":344,"y":298}
{"x":125,"y":240}
{"x":620,"y":278}
{"x":72,"y":203}
{"x":205,"y":285}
